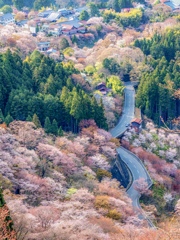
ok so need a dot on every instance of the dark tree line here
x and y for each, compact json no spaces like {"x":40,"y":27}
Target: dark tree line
{"x":161,"y":45}
{"x":39,"y":85}
{"x":157,"y":94}
{"x":19,"y":4}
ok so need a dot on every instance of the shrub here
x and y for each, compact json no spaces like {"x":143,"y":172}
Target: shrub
{"x":68,"y":51}
{"x":114,"y":214}
{"x":103,"y":173}
{"x":90,"y":69}
{"x":102,"y":202}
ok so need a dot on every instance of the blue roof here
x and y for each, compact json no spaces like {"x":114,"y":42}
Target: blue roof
{"x":6,"y":16}
{"x":21,"y":23}
{"x":173,"y":4}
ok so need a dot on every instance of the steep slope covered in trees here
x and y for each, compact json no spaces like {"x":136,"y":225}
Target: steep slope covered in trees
{"x":43,"y":87}
{"x":158,"y":92}
{"x":58,"y":186}
{"x":61,"y":188}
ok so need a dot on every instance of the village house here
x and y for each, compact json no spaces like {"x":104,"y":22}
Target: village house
{"x":136,"y":124}
{"x":173,"y":4}
{"x":45,"y":28}
{"x":81,"y":30}
{"x":22,"y":23}
{"x":7,"y":19}
{"x":76,"y":23}
{"x":51,"y":50}
{"x":54,"y":16}
{"x":43,"y":46}
{"x":54,"y":29}
{"x":64,"y":12}
{"x":33,"y":27}
{"x":68,"y":29}
{"x":102,"y":88}
{"x":45,"y":14}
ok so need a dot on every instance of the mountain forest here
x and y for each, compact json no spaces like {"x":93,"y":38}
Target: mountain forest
{"x":158,"y":92}
{"x":90,"y":125}
{"x":40,"y":86}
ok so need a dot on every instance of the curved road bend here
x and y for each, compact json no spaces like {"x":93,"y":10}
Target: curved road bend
{"x":133,"y":163}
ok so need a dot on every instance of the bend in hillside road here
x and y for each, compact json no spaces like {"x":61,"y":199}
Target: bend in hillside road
{"x":128,"y":111}
{"x":138,"y":171}
{"x":132,"y":162}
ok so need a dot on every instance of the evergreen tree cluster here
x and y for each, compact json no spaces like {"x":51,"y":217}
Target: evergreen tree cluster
{"x":42,"y":87}
{"x":117,"y":5}
{"x":166,"y":45}
{"x":156,"y":94}
{"x":36,"y":4}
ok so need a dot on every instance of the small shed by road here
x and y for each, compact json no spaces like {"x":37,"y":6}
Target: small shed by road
{"x":136,"y":124}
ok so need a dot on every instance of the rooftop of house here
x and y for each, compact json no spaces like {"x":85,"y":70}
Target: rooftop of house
{"x":67,"y":27}
{"x":51,"y":50}
{"x":74,"y":23}
{"x":173,"y":4}
{"x":136,"y":120}
{"x":23,"y":22}
{"x":45,"y":12}
{"x":43,"y":43}
{"x":6,"y":16}
{"x":62,"y":10}
{"x":53,"y":26}
{"x":103,"y":88}
{"x":53,"y":16}
{"x":101,"y":83}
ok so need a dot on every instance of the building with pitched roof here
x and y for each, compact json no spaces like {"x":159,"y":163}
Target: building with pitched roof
{"x":173,"y":4}
{"x":136,"y":124}
{"x":6,"y":19}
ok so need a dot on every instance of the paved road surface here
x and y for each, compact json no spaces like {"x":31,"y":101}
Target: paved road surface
{"x":133,"y":163}
{"x":128,"y":112}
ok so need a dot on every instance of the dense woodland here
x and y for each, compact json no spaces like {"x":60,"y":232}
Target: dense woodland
{"x":41,"y":86}
{"x":158,"y":92}
{"x":38,"y":4}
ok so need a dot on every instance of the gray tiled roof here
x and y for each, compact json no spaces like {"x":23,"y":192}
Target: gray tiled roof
{"x":74,"y":23}
{"x":6,"y":16}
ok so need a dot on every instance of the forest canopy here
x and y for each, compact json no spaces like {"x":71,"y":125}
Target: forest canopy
{"x":156,"y":94}
{"x":39,"y":85}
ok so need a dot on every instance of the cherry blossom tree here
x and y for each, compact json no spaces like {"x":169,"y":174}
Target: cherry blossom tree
{"x":45,"y":215}
{"x":141,"y":186}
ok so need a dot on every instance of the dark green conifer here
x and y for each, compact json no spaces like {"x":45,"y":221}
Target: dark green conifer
{"x":1,"y":117}
{"x":36,"y":121}
{"x":60,"y":132}
{"x":47,"y":125}
{"x":8,"y":119}
{"x":54,"y":127}
{"x":29,"y":118}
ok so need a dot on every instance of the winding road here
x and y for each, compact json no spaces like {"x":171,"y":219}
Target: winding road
{"x":134,"y":164}
{"x":128,"y":111}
